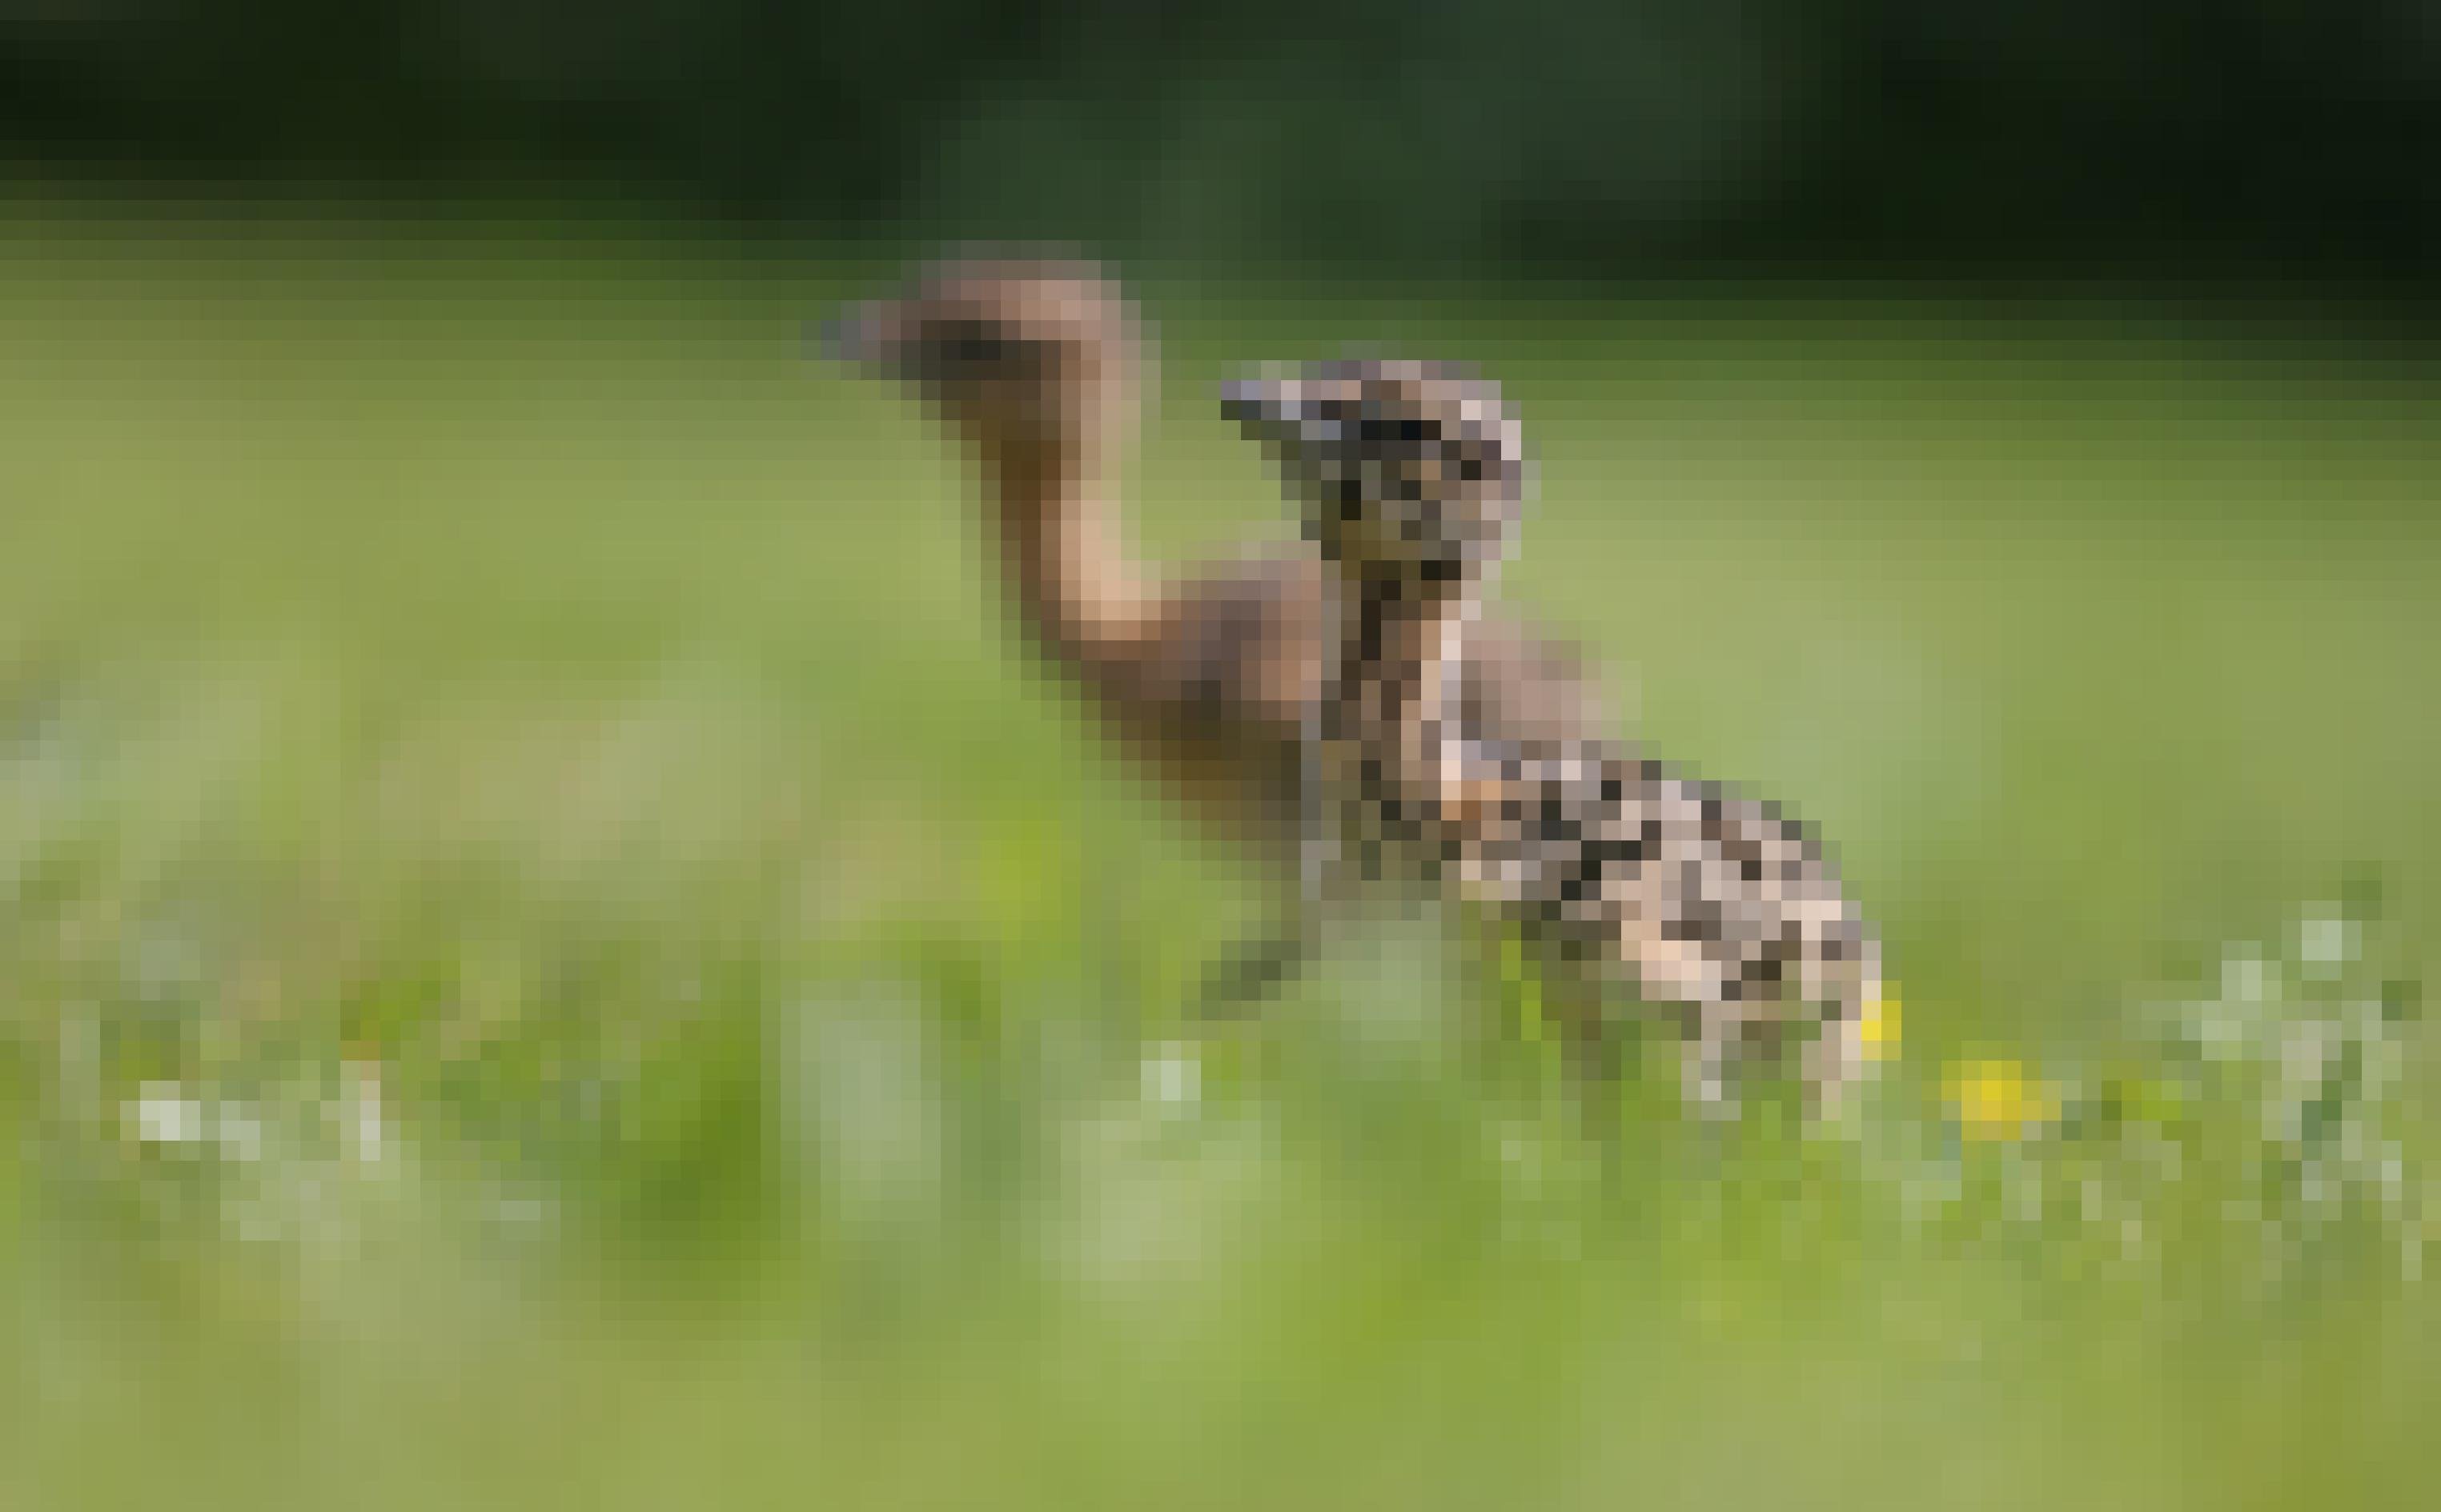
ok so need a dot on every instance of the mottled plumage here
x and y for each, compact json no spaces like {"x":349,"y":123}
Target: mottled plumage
{"x":1626,"y":879}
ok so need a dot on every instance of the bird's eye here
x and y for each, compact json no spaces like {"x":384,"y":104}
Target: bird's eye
{"x":1470,"y":467}
{"x":969,"y":349}
{"x":977,"y":352}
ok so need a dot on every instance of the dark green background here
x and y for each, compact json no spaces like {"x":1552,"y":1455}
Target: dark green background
{"x":2165,"y":136}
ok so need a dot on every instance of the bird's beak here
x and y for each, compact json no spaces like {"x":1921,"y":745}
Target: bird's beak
{"x":865,"y":335}
{"x":1257,"y":404}
{"x":1273,"y":409}
{"x":1267,"y":408}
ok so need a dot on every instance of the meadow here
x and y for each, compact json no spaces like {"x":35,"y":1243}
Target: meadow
{"x":553,"y":951}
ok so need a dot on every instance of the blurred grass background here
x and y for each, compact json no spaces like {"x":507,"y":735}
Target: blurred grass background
{"x":555,"y":952}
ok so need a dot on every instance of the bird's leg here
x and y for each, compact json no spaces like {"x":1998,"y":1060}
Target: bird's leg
{"x":1251,"y":972}
{"x":1248,"y":974}
{"x":1837,"y":1055}
{"x":1705,"y":1072}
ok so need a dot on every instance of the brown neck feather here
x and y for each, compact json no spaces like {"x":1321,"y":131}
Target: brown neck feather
{"x":1399,"y":650}
{"x":1082,"y":598}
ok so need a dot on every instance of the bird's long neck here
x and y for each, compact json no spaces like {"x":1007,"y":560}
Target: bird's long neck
{"x":1398,"y":649}
{"x":1086,"y":602}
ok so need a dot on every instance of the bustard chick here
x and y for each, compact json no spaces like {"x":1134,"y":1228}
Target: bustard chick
{"x":1624,"y":878}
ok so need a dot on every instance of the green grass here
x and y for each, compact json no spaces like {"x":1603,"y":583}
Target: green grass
{"x":552,"y":952}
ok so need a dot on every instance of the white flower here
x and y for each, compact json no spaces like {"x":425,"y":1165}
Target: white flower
{"x":2245,"y":977}
{"x":1172,"y":1078}
{"x":2326,"y":939}
{"x":161,"y":1113}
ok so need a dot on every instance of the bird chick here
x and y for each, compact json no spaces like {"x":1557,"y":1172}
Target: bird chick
{"x":1625,"y":879}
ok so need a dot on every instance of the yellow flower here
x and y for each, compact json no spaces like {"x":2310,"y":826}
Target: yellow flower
{"x":1879,"y":1028}
{"x":1996,"y":1100}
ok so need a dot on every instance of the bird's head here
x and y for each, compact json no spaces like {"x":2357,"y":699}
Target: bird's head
{"x":1405,"y":468}
{"x":1012,"y":352}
